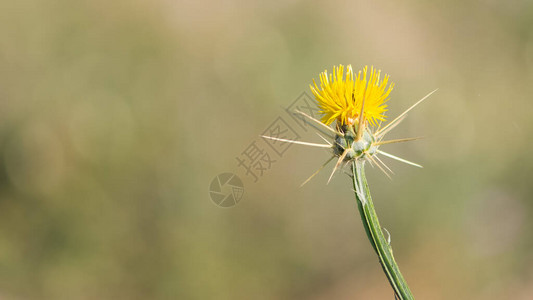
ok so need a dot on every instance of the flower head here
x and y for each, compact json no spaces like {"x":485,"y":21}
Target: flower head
{"x":354,"y":102}
{"x":341,"y":97}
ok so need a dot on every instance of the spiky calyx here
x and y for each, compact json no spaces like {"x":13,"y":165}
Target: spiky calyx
{"x":355,"y":149}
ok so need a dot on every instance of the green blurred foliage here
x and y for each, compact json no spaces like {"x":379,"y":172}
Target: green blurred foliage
{"x":116,"y":115}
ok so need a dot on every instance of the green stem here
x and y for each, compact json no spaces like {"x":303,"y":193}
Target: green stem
{"x":375,"y":235}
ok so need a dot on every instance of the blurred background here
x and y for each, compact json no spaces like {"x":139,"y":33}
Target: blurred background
{"x":115,"y":116}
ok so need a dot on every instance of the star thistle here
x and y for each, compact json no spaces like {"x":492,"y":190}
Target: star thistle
{"x":358,"y":106}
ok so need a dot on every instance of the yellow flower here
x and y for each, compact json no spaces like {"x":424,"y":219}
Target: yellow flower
{"x":341,"y":97}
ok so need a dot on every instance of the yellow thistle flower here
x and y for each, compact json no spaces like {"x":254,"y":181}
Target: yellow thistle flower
{"x":341,"y":97}
{"x":354,"y":102}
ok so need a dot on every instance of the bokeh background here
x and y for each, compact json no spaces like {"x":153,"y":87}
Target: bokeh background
{"x":116,"y":115}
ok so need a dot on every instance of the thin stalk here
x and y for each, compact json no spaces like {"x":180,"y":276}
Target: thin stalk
{"x":375,"y":235}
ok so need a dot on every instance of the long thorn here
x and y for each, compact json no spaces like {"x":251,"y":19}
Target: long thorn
{"x":329,"y":143}
{"x":345,"y":164}
{"x":318,"y":122}
{"x":399,"y":159}
{"x":397,"y":141}
{"x":380,"y":167}
{"x":319,"y":129}
{"x":323,"y":138}
{"x":317,"y":171}
{"x":379,"y":126}
{"x":387,"y":167}
{"x":341,"y":158}
{"x":371,"y":162}
{"x":297,"y":142}
{"x":405,"y":112}
{"x":384,"y":132}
